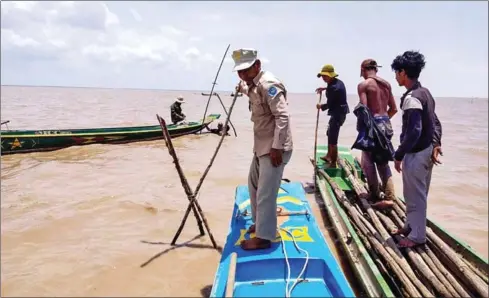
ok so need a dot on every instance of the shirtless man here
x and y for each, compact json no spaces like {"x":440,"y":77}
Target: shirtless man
{"x":376,"y":94}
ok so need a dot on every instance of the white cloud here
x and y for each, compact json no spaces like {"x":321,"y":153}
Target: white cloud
{"x":92,"y":32}
{"x":186,"y":39}
{"x":136,"y":15}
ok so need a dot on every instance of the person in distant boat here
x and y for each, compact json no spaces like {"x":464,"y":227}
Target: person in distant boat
{"x":220,"y":129}
{"x":376,"y":97}
{"x":420,"y":145}
{"x":177,"y":116}
{"x":272,"y":147}
{"x":337,"y":107}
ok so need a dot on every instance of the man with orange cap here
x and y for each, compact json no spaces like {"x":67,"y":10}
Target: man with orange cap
{"x":337,"y":107}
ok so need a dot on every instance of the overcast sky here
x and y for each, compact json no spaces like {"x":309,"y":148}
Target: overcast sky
{"x":179,"y":45}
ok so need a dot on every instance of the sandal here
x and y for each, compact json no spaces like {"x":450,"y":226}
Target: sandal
{"x":408,"y":243}
{"x":255,"y":243}
{"x":251,"y":229}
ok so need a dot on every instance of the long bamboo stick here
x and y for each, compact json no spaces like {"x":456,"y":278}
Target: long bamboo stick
{"x":192,"y":200}
{"x":434,"y":263}
{"x":389,"y":277}
{"x":419,"y":262}
{"x":316,"y":139}
{"x":374,"y":241}
{"x":476,"y":271}
{"x":396,"y":255}
{"x":201,"y":181}
{"x":181,"y":175}
{"x":458,"y":287}
{"x":214,"y":84}
{"x":468,"y":276}
{"x":434,"y":269}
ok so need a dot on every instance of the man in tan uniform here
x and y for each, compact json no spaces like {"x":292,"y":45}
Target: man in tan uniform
{"x":272,"y":144}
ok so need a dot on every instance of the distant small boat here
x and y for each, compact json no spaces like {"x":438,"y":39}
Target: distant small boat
{"x":27,"y":141}
{"x":284,"y":270}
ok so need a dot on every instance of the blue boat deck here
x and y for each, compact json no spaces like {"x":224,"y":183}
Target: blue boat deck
{"x":263,"y":273}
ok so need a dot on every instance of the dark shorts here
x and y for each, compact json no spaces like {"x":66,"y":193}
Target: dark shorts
{"x":384,"y":123}
{"x":333,"y":131}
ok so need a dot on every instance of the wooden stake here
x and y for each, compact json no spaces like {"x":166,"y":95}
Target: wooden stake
{"x":183,"y":180}
{"x":191,"y":196}
{"x":316,"y":139}
{"x":201,"y":181}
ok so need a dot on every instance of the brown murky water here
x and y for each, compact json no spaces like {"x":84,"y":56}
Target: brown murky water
{"x":97,"y":220}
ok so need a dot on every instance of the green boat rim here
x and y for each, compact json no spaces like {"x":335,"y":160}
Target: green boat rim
{"x":367,"y":274}
{"x":103,"y":131}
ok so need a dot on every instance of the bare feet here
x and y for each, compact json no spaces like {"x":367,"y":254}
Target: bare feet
{"x":384,"y":204}
{"x":408,"y":243}
{"x":255,"y":243}
{"x":326,"y":158}
{"x":402,"y":231}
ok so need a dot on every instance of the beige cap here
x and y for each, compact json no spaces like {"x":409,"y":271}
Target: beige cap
{"x":244,"y":58}
{"x":180,"y":99}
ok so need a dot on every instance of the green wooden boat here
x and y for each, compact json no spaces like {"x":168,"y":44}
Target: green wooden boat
{"x":27,"y":141}
{"x":366,"y":269}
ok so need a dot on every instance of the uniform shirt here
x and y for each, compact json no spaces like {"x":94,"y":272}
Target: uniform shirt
{"x":269,"y":113}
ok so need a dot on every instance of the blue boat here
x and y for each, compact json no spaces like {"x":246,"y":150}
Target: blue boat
{"x":298,"y":264}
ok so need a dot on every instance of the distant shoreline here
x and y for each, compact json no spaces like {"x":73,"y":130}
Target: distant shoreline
{"x":219,"y":91}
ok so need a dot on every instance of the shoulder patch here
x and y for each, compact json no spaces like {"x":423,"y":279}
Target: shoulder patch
{"x":272,"y":91}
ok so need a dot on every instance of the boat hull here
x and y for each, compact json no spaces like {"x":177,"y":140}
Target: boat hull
{"x":263,"y":273}
{"x":375,"y":284}
{"x":27,"y":141}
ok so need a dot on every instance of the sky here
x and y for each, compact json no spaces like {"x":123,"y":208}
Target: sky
{"x":179,"y":45}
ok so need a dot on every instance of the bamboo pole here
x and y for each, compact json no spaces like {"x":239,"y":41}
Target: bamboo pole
{"x":201,"y":181}
{"x":426,"y":262}
{"x":433,"y":262}
{"x":391,"y":279}
{"x":214,"y":84}
{"x":391,"y":246}
{"x":374,"y":241}
{"x":193,"y":202}
{"x":419,"y":262}
{"x":476,"y":271}
{"x":316,"y":139}
{"x":468,"y":276}
{"x":231,"y":275}
{"x":181,"y":175}
{"x":458,"y":287}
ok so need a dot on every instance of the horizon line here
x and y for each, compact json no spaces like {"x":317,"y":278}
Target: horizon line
{"x":188,"y":90}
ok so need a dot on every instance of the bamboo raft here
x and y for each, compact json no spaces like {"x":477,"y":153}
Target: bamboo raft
{"x":444,"y":267}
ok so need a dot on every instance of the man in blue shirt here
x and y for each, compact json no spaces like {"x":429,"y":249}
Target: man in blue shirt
{"x":337,"y":107}
{"x":420,"y":145}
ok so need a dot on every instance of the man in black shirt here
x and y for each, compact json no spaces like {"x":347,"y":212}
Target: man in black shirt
{"x":177,"y":115}
{"x":337,"y":107}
